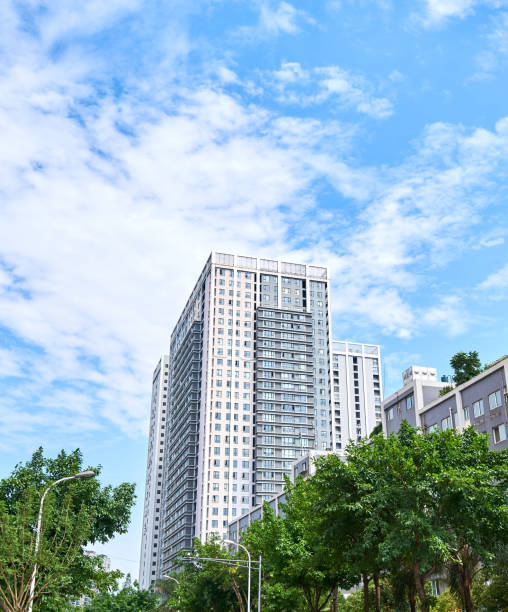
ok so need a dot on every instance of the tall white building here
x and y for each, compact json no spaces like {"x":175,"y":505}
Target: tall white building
{"x":357,"y":391}
{"x":249,"y":392}
{"x":152,"y":521}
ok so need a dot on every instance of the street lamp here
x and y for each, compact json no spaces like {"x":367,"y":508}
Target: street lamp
{"x":87,"y":474}
{"x":249,"y":564}
{"x":177,"y":582}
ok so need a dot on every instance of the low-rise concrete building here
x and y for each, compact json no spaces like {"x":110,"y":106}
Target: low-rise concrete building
{"x":304,"y":466}
{"x":481,"y":402}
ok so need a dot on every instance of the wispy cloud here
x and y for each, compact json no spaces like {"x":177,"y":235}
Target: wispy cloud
{"x":296,"y":85}
{"x":438,"y":12}
{"x":111,"y":202}
{"x":494,"y":55}
{"x":275,"y":19}
{"x":496,"y":284}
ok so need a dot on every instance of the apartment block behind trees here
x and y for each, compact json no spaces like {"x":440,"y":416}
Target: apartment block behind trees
{"x":249,"y":392}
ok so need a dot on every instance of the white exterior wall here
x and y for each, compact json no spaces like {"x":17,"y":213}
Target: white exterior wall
{"x":151,"y":532}
{"x":226,"y":412}
{"x":226,"y":419}
{"x":355,"y":414}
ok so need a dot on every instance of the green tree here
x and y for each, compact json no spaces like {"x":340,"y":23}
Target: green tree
{"x":294,"y":553}
{"x":127,"y":599}
{"x":411,"y":504}
{"x":446,"y":602}
{"x":490,"y":588}
{"x":465,"y":366}
{"x":344,"y":523}
{"x":206,"y":585}
{"x":77,"y":513}
{"x":473,"y":489}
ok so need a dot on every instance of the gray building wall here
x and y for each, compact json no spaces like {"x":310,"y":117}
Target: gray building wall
{"x":431,"y":411}
{"x":181,"y":463}
{"x":304,"y":467}
{"x":285,"y":414}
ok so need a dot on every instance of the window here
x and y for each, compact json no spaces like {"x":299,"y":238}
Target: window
{"x":466,"y":413}
{"x":478,"y":408}
{"x":432,"y":428}
{"x":389,"y":414}
{"x":495,"y":399}
{"x":499,"y":433}
{"x":446,"y":423}
{"x":410,"y":404}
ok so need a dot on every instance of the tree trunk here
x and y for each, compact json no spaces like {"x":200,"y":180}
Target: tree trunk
{"x":333,"y":605}
{"x":308,"y":598}
{"x":365,"y":579}
{"x":378,"y":591}
{"x":412,"y":598}
{"x":420,"y":589}
{"x":465,"y":575}
{"x":238,"y":594}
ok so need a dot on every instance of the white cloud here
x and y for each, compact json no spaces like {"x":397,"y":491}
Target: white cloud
{"x":437,"y":12}
{"x":440,"y":10}
{"x":110,"y":208}
{"x":273,"y":20}
{"x":495,"y":54}
{"x":296,"y":85}
{"x":496,"y":284}
{"x":449,"y":314}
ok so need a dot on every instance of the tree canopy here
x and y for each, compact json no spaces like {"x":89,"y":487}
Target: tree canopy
{"x":129,"y":598}
{"x":77,"y":513}
{"x":465,"y":366}
{"x":401,"y":511}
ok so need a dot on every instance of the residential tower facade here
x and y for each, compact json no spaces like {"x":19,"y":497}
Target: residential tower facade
{"x":248,"y":384}
{"x":357,"y":391}
{"x":152,"y":514}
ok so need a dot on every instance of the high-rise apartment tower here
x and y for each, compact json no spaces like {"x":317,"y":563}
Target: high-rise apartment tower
{"x":248,"y":392}
{"x":151,"y":531}
{"x":357,"y":391}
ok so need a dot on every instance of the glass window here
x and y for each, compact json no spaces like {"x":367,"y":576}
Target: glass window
{"x":478,"y":408}
{"x":495,"y":399}
{"x":499,"y":433}
{"x":446,"y":423}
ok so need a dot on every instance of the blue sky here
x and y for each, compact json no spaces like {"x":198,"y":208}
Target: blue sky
{"x":367,"y":135}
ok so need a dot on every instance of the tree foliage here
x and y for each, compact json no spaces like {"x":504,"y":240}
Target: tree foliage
{"x":398,"y":507}
{"x":401,"y":511}
{"x":205,"y":585}
{"x":129,"y":598}
{"x":465,"y":366}
{"x":294,"y":554}
{"x":77,"y":513}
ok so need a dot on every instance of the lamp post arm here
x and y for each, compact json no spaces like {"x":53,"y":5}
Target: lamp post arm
{"x":38,"y":537}
{"x":87,"y":474}
{"x":249,"y":568}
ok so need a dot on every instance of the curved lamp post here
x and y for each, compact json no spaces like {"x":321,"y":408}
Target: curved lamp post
{"x":87,"y":474}
{"x":177,"y":582}
{"x":249,"y":564}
